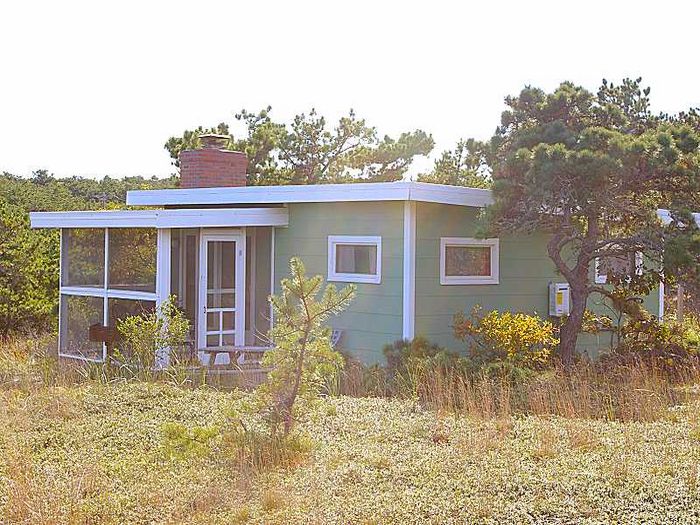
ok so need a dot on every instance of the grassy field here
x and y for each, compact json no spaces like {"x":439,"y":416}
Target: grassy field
{"x":95,"y":453}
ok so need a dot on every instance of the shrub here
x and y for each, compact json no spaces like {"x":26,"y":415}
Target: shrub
{"x":255,"y":449}
{"x":669,"y":344}
{"x":517,"y":338}
{"x":181,"y":442}
{"x":402,"y":352}
{"x":144,"y":337}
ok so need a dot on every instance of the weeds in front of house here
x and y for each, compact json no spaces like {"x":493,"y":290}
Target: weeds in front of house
{"x":633,"y":391}
{"x":510,"y":368}
{"x":93,"y":452}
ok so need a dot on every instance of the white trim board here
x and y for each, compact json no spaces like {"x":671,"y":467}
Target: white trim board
{"x":180,"y":218}
{"x":409,"y":271}
{"x":356,"y":192}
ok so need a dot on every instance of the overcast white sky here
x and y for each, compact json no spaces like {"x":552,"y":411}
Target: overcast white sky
{"x":95,"y":88}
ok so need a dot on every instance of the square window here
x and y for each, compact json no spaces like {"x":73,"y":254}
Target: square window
{"x":355,"y":259}
{"x":468,"y":261}
{"x":622,"y":265}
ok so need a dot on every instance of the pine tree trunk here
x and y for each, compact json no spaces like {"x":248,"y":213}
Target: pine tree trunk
{"x":572,"y":327}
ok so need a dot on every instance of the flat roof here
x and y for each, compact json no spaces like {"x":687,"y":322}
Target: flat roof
{"x":351,"y":192}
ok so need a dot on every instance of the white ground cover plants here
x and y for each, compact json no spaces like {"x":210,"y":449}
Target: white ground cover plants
{"x":94,"y":454}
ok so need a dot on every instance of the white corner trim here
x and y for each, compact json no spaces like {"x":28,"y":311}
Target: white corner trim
{"x":358,"y":240}
{"x":662,"y":299}
{"x":494,"y":244}
{"x":409,"y":270}
{"x":272,"y":274}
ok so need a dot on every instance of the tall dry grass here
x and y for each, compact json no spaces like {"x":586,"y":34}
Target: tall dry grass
{"x":633,"y":391}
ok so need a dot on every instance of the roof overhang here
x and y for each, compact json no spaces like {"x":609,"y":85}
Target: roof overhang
{"x":354,"y":192}
{"x":181,"y":218}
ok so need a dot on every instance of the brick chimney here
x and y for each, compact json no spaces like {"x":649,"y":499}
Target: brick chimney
{"x":212,"y":166}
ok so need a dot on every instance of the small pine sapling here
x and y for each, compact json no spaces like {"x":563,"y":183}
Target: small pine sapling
{"x":302,"y":359}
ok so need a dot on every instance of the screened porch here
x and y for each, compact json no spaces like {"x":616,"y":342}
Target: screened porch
{"x":217,"y":265}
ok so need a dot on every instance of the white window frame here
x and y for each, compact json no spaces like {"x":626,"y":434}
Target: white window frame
{"x":354,"y":240}
{"x":448,"y":280}
{"x":602,"y":278}
{"x":105,"y":293}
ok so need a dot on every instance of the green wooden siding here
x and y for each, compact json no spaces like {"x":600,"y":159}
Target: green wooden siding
{"x":375,"y":316}
{"x":525,"y":272}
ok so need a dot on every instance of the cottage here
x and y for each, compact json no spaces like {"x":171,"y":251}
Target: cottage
{"x":221,"y":248}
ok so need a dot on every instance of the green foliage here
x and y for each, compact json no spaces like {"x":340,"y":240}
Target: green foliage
{"x":181,"y":442}
{"x":592,"y":170}
{"x":466,"y":165}
{"x":403,"y":349}
{"x":29,"y":258}
{"x":28,"y":274}
{"x":668,"y":344}
{"x":190,"y":140}
{"x":144,"y":337}
{"x":306,"y":151}
{"x":403,"y":354}
{"x":524,"y":340}
{"x":302,"y":359}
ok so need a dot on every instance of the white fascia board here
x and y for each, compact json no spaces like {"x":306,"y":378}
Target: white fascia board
{"x":182,"y":218}
{"x":185,"y":218}
{"x":93,"y":219}
{"x":444,"y":194}
{"x":367,"y":191}
{"x":354,"y":192}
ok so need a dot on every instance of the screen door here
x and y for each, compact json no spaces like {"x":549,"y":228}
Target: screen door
{"x":222,"y":290}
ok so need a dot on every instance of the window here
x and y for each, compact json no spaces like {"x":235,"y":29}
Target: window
{"x":355,"y":259}
{"x":468,"y":261}
{"x":106,"y":274}
{"x":618,"y":265}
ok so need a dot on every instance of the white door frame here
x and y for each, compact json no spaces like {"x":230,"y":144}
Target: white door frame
{"x":220,"y":234}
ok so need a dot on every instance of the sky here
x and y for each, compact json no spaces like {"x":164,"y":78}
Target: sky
{"x":96,"y":88}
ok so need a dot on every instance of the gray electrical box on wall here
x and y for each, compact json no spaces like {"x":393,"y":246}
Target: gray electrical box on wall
{"x":559,"y":299}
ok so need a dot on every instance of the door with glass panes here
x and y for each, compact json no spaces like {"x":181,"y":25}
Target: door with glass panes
{"x":222,"y":289}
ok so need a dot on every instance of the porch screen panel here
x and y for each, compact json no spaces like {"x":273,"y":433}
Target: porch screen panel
{"x":122,"y":308}
{"x":83,"y":258}
{"x":132,"y":259}
{"x":106,"y":274}
{"x":183,"y":272}
{"x":78,"y":313}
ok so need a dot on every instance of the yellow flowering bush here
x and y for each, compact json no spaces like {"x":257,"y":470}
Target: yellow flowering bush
{"x":521,"y":339}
